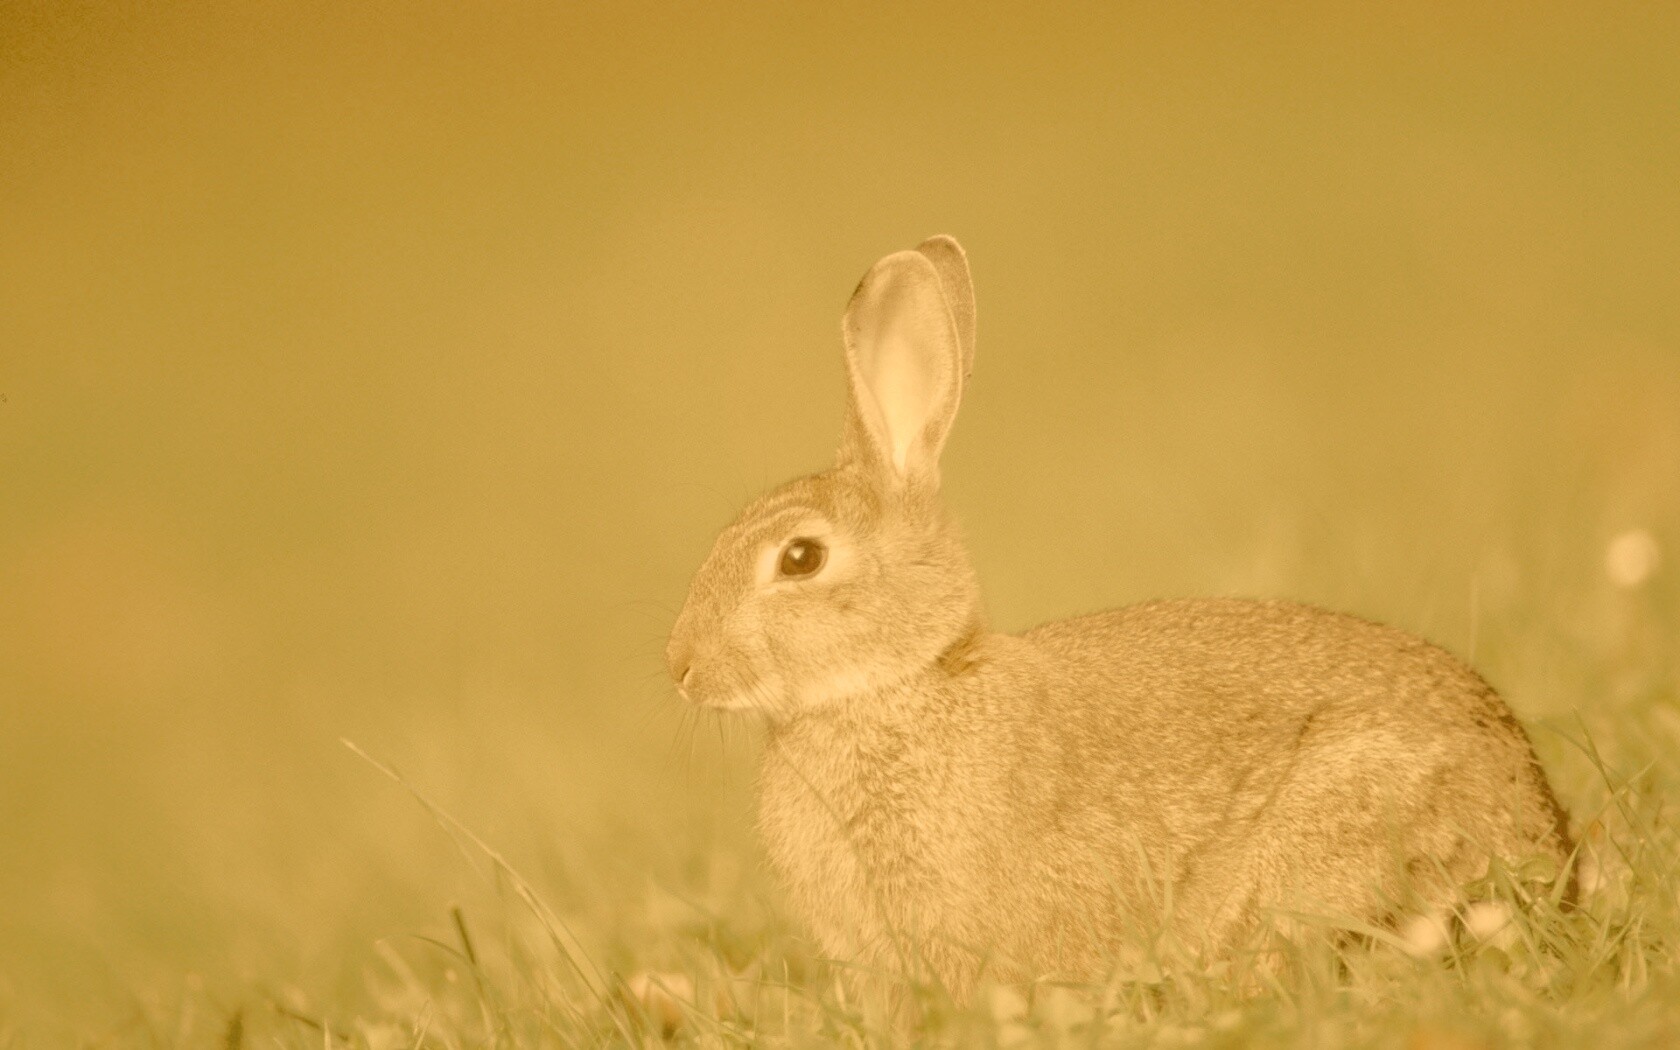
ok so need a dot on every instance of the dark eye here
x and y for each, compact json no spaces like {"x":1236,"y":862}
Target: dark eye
{"x":802,"y":557}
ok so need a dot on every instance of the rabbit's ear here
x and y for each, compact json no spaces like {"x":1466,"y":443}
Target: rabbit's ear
{"x":951,"y":261}
{"x":904,"y":359}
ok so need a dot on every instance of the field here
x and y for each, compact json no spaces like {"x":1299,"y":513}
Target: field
{"x":372,"y":381}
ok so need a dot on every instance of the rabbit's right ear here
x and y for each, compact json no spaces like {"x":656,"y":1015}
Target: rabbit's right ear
{"x":904,"y":358}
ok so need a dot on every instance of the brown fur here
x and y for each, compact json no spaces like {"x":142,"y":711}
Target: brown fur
{"x":939,"y":798}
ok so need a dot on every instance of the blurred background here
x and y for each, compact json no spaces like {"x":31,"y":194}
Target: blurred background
{"x":382,"y":371}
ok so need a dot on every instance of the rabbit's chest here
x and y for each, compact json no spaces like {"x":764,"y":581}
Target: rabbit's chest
{"x":862,"y":820}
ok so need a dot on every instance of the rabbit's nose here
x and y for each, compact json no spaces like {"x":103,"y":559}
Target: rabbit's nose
{"x":679,"y":660}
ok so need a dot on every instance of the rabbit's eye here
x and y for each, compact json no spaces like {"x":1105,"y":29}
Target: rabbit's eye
{"x":802,"y":557}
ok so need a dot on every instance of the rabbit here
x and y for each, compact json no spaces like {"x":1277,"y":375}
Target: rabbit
{"x":940,"y":798}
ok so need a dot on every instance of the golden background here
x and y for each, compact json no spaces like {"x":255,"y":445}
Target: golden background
{"x":383,"y":371}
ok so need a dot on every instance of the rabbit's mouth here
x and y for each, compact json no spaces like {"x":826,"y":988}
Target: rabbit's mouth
{"x":733,"y":702}
{"x":756,"y":694}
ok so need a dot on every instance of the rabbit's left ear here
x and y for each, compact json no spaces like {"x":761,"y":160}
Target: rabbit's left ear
{"x":904,"y":357}
{"x":951,"y":261}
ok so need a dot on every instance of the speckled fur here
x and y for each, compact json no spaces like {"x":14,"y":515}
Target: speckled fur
{"x":938,"y":796}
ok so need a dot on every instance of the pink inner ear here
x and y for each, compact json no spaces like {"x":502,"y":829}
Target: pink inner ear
{"x":905,"y":387}
{"x":904,"y":353}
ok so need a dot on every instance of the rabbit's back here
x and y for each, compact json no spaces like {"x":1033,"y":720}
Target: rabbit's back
{"x":1217,"y":686}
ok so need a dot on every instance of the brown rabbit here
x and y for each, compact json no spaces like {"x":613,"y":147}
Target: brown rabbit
{"x":937,"y":794}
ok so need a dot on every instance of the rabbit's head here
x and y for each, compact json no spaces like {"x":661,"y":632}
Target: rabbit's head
{"x":836,"y":585}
